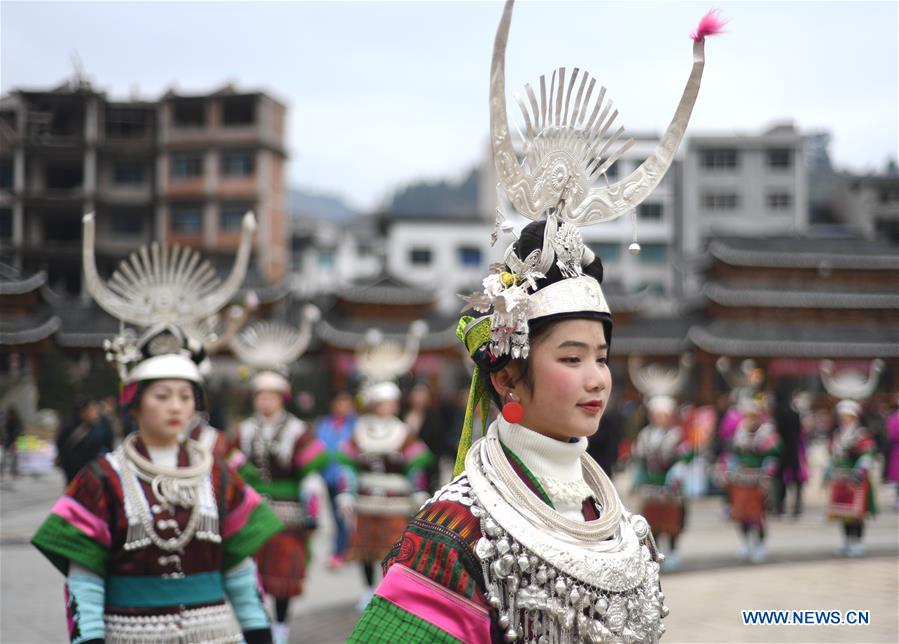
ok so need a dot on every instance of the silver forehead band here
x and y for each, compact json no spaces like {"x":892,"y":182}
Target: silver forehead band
{"x":574,"y":295}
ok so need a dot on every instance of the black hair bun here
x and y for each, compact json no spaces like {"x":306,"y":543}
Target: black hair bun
{"x":532,"y":238}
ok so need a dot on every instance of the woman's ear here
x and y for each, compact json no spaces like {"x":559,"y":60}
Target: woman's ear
{"x":505,"y":379}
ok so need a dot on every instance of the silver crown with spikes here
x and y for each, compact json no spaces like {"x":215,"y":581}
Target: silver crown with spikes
{"x":161,"y":286}
{"x":382,"y":360}
{"x":852,"y":384}
{"x":656,"y":379}
{"x":269,"y":345}
{"x":569,"y":143}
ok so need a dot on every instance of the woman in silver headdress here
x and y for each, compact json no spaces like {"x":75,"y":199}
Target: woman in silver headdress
{"x":154,"y":537}
{"x":386,"y":462}
{"x":276,"y":453}
{"x":530,"y":542}
{"x":852,"y":453}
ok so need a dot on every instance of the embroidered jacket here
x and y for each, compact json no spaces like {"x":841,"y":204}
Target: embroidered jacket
{"x":656,"y":451}
{"x":145,"y":587}
{"x":277,"y":465}
{"x":433,"y":588}
{"x":388,"y":470}
{"x":757,"y":448}
{"x":853,"y":448}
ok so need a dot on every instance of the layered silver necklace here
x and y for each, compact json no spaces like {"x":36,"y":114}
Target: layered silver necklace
{"x":188,"y":487}
{"x":554,"y":580}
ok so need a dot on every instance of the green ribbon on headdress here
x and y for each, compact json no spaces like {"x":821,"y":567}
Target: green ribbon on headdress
{"x":474,"y":336}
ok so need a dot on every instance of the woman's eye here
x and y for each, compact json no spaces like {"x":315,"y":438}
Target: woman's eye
{"x":603,"y":360}
{"x":572,"y":360}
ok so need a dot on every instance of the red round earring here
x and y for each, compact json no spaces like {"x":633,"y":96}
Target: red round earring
{"x":513,"y":412}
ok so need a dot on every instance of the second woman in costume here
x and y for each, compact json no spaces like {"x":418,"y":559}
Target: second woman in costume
{"x":276,"y":452}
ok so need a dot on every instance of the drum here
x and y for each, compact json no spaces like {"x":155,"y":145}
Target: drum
{"x":848,"y":497}
{"x":662,"y":509}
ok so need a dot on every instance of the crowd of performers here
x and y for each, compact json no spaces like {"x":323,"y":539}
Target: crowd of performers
{"x":759,"y":454}
{"x":178,"y":534}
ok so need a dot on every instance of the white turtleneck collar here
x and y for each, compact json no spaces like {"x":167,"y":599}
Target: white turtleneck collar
{"x":545,"y":457}
{"x":165,"y":456}
{"x":556,"y":465}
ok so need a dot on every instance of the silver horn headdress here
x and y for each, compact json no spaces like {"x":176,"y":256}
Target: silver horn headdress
{"x":164,"y":293}
{"x":569,"y":143}
{"x":381,"y":360}
{"x":162,"y":285}
{"x":657,"y":379}
{"x":270,"y":346}
{"x":852,"y":384}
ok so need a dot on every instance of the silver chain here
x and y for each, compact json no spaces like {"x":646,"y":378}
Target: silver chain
{"x":520,"y":496}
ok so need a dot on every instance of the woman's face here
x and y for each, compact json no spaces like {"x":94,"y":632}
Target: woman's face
{"x":571,"y":381}
{"x":847,"y":420}
{"x":268,"y":403}
{"x":661,"y":418}
{"x":164,"y":410}
{"x":384,"y":408}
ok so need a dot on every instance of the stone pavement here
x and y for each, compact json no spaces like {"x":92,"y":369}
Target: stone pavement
{"x":706,"y":595}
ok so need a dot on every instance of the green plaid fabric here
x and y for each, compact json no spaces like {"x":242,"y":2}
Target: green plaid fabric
{"x":385,"y":623}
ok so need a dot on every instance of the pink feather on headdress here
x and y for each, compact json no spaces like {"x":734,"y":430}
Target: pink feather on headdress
{"x":710,"y":25}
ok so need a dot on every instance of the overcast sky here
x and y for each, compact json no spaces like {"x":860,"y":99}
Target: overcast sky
{"x":381,"y":93}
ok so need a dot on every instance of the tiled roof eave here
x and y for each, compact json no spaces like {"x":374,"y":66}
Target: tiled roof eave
{"x":432,"y":341}
{"x":19,"y":287}
{"x":29,"y":336}
{"x":727,"y":296}
{"x":753,"y":347}
{"x":774,"y":259}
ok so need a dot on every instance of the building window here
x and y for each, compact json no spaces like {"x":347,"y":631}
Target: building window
{"x":5,"y":175}
{"x":720,"y":201}
{"x":62,"y":229}
{"x":656,"y":288}
{"x":779,"y":158}
{"x":718,"y":158}
{"x":231,"y":217}
{"x":63,"y":177}
{"x":128,"y":174}
{"x":126,"y":226}
{"x":187,"y":220}
{"x":238,"y":111}
{"x":653,"y":253}
{"x":469,"y":256}
{"x":650,"y":212}
{"x":125,"y":123}
{"x":189,"y":114}
{"x":237,"y":163}
{"x":885,"y":196}
{"x":420,"y":256}
{"x":606,"y":251}
{"x":327,"y":258}
{"x":187,"y":165}
{"x":779,"y":200}
{"x":6,"y":224}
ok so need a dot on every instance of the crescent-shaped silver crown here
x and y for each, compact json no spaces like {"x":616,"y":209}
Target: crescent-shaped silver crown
{"x":851,"y":383}
{"x":379,"y":359}
{"x":568,"y":143}
{"x":270,"y":344}
{"x":162,"y":285}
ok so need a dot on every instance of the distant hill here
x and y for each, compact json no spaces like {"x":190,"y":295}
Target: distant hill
{"x":437,"y":198}
{"x":302,"y":204}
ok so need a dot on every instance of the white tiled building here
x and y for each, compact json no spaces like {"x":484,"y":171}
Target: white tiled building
{"x":741,"y":185}
{"x":448,"y":254}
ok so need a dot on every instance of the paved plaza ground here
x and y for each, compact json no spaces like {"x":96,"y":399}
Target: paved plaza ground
{"x":705,"y":596}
